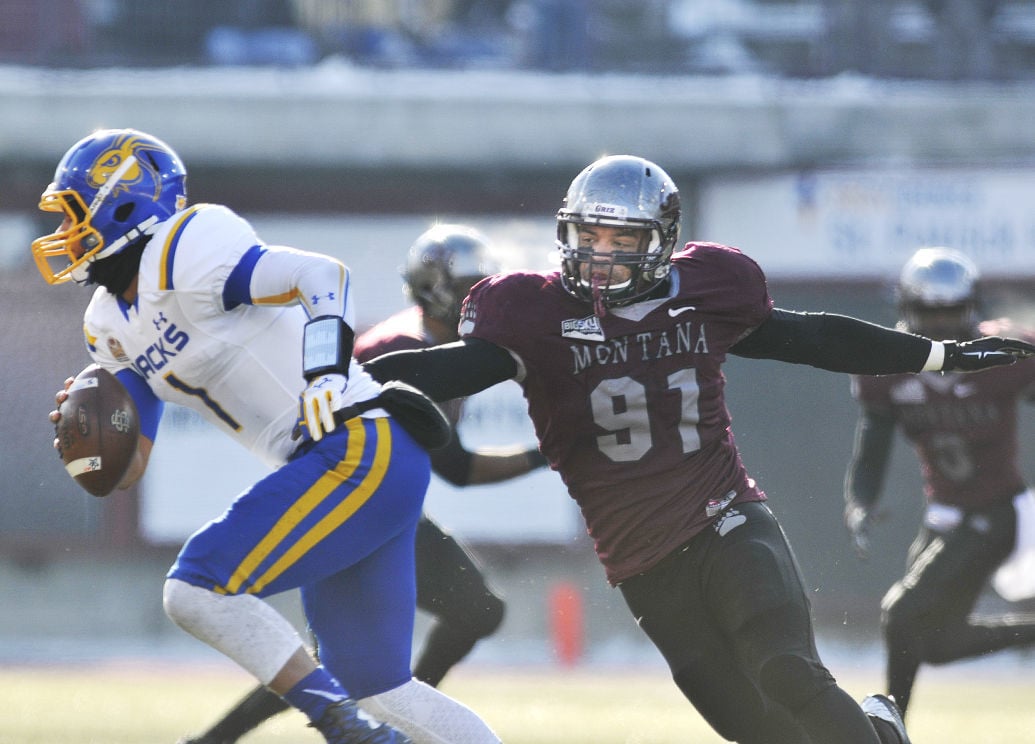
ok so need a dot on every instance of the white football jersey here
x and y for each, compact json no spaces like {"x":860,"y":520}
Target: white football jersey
{"x":241,"y":368}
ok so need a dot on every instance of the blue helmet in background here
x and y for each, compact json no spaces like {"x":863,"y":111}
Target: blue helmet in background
{"x":112,"y":188}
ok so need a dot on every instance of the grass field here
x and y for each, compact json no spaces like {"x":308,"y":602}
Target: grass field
{"x":135,"y":703}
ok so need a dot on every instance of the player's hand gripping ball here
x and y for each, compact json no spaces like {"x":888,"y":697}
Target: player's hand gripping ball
{"x":97,"y":430}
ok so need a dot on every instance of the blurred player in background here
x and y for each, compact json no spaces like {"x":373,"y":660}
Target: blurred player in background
{"x":192,"y":307}
{"x":442,"y":266}
{"x":619,"y":355}
{"x":964,"y":431}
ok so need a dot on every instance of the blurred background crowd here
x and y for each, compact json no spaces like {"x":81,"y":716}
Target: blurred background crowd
{"x":934,"y":39}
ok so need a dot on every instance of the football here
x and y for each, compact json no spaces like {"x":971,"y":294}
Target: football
{"x":98,"y":429}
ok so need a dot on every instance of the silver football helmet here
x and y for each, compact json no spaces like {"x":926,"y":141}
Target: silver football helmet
{"x":443,"y":264}
{"x":618,"y":191}
{"x":938,"y":293}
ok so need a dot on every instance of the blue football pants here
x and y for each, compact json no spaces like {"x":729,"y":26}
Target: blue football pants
{"x":337,"y":522}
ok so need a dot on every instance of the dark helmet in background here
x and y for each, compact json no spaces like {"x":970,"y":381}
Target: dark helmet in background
{"x":443,"y":264}
{"x":938,"y":294}
{"x":619,"y":191}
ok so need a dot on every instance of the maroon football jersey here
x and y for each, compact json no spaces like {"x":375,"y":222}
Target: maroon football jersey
{"x":962,"y":426}
{"x":630,"y":408}
{"x":399,"y":332}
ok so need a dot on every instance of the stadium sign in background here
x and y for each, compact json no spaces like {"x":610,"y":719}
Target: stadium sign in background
{"x":865,"y":223}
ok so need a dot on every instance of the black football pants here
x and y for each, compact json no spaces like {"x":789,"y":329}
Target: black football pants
{"x":926,"y":614}
{"x":450,"y":586}
{"x":730,"y":614}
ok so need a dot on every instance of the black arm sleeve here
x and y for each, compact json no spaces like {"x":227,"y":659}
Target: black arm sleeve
{"x":448,"y":371}
{"x":452,"y":463}
{"x":865,"y":475}
{"x":838,"y":343}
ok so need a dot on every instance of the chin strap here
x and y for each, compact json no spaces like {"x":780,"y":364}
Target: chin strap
{"x":598,"y":297}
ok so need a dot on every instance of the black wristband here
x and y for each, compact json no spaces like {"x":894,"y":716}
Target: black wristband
{"x":535,"y":459}
{"x":326,"y":346}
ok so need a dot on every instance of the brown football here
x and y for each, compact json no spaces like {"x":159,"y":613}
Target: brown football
{"x":98,"y":429}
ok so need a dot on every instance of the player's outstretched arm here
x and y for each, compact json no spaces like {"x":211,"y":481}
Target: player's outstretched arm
{"x":448,"y":371}
{"x":841,"y":343}
{"x":460,"y":466}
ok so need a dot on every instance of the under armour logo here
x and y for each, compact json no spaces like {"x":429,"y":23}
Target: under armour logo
{"x":316,"y":298}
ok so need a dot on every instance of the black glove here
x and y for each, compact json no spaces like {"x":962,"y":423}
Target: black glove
{"x":535,"y":459}
{"x":858,"y":520}
{"x":982,"y":353}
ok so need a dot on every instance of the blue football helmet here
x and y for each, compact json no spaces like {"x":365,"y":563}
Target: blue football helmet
{"x":112,"y":188}
{"x":626,"y":192}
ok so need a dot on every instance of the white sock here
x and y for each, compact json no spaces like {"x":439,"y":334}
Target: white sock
{"x":241,"y":626}
{"x":427,"y":716}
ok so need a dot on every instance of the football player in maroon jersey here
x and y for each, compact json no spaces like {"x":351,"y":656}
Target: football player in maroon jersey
{"x":443,"y":264}
{"x":964,"y":431}
{"x":619,"y":355}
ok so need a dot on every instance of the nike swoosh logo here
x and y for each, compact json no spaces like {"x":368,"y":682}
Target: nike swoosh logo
{"x":674,"y":311}
{"x":333,"y":697}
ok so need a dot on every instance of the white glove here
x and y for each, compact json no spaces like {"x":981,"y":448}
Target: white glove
{"x":858,"y":520}
{"x":320,"y":400}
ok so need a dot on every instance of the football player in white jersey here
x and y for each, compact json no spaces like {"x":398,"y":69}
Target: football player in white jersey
{"x":443,"y":264}
{"x":192,"y":307}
